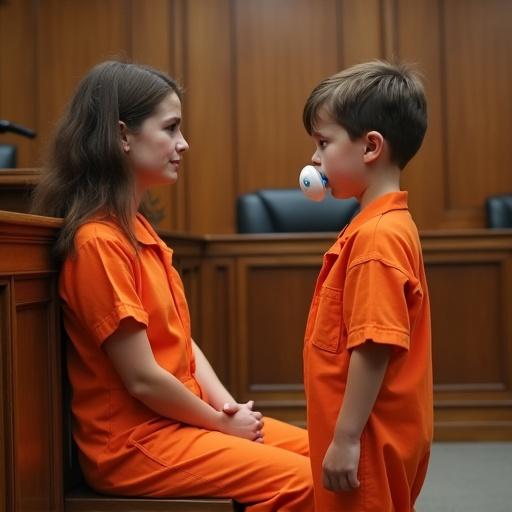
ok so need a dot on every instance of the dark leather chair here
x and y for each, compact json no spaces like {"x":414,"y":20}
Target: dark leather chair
{"x":289,"y":211}
{"x":7,"y":156}
{"x":498,"y":211}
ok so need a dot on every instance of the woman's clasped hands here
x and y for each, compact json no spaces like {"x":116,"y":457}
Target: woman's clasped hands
{"x":242,"y":421}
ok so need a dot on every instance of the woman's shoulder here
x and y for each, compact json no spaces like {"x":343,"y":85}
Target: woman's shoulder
{"x":100,"y":230}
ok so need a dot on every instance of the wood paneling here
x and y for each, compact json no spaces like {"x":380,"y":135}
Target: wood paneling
{"x":248,"y":66}
{"x":152,"y":41}
{"x":277,"y":298}
{"x":18,"y":75}
{"x":282,"y":50}
{"x":73,"y":37}
{"x":249,"y":296}
{"x":478,"y":75}
{"x":5,"y":405}
{"x":16,"y":187}
{"x":480,"y":364}
{"x":418,"y":40}
{"x":32,"y":428}
{"x":219,"y":314}
{"x":209,"y":116}
{"x":30,"y":370}
{"x":355,"y":19}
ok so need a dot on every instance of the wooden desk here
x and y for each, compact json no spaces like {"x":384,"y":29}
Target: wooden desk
{"x":16,"y":186}
{"x":249,"y":296}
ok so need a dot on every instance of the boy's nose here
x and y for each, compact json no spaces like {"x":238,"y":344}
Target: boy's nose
{"x":315,"y":159}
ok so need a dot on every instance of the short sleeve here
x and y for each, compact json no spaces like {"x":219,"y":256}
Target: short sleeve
{"x":98,"y":286}
{"x":375,"y":305}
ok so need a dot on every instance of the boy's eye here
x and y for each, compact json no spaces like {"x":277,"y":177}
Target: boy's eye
{"x":322,"y":144}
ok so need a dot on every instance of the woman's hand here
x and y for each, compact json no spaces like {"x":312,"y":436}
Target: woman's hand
{"x":240,"y":420}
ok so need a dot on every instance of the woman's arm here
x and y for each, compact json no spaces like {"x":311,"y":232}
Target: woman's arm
{"x":130,"y":352}
{"x":217,"y":394}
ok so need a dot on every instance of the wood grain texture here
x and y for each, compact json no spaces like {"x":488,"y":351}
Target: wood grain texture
{"x":18,"y":76}
{"x":283,"y":49}
{"x":248,"y":296}
{"x":248,"y":66}
{"x":478,"y":74}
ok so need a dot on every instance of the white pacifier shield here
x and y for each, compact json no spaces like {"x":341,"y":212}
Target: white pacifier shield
{"x":312,"y":183}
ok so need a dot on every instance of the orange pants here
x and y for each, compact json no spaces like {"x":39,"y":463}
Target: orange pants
{"x":192,"y":462}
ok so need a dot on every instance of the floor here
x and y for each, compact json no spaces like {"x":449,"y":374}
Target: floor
{"x":468,"y":477}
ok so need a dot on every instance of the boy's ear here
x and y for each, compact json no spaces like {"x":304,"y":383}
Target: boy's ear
{"x":374,"y":146}
{"x":123,"y":132}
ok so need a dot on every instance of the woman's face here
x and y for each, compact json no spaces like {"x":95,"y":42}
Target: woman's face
{"x":156,"y":148}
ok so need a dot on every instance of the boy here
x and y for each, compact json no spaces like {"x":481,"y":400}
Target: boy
{"x":367,"y":352}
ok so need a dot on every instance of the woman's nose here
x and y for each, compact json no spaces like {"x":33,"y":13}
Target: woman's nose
{"x":182,"y":145}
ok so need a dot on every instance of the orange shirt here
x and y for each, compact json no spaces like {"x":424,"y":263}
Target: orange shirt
{"x":103,"y":283}
{"x":372,"y":286}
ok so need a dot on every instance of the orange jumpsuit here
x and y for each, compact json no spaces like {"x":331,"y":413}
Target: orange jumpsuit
{"x":126,"y":448}
{"x":372,"y":286}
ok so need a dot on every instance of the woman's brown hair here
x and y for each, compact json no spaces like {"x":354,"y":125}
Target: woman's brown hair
{"x":88,"y":171}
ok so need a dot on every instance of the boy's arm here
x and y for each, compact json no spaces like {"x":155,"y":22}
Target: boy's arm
{"x":367,"y":367}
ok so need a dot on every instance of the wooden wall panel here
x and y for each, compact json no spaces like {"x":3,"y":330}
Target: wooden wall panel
{"x":218,"y":336}
{"x":282,"y":50}
{"x":354,"y":19}
{"x":152,"y":42}
{"x":18,"y":75}
{"x":30,"y":368}
{"x":5,"y":405}
{"x":247,"y":67}
{"x":31,"y":422}
{"x":273,"y":297}
{"x":73,"y":37}
{"x":277,"y":308}
{"x":417,"y":23}
{"x":209,"y":116}
{"x":469,"y":352}
{"x":478,"y":74}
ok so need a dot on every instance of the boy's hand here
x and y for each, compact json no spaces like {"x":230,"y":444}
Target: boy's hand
{"x":340,"y":465}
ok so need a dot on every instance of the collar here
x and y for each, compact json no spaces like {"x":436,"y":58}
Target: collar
{"x":144,"y":232}
{"x":379,"y":206}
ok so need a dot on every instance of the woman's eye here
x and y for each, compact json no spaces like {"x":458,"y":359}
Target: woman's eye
{"x":172,"y":128}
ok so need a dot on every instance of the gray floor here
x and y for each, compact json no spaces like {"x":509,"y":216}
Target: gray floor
{"x":468,"y":477}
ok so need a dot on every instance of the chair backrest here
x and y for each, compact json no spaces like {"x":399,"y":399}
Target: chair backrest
{"x":499,"y":211}
{"x":7,"y":156}
{"x":289,"y":211}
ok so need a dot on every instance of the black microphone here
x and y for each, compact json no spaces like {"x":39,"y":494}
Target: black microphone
{"x":7,"y":126}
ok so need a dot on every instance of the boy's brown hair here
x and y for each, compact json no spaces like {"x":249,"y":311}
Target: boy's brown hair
{"x":378,"y":96}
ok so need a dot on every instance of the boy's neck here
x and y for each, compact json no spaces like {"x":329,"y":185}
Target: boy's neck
{"x":382,"y":180}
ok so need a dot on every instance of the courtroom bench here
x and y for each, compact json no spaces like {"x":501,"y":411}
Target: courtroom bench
{"x":39,"y":467}
{"x":78,"y":497}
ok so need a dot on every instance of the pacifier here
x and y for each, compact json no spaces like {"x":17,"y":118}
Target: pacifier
{"x":313,"y":183}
